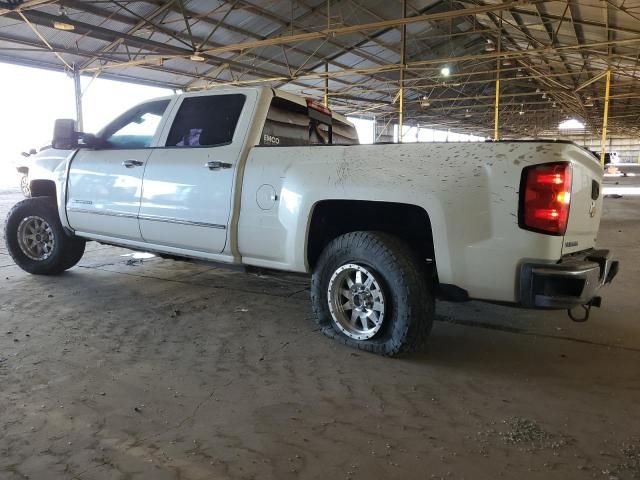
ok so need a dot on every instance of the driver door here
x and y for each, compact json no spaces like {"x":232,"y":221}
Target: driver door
{"x":105,"y":185}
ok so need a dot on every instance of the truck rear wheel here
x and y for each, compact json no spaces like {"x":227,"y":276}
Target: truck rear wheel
{"x":370,"y":291}
{"x":36,"y":240}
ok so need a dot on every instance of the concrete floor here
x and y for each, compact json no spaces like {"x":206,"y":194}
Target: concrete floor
{"x":155,"y":369}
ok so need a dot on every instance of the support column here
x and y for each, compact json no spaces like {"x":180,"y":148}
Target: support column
{"x":78,"y":95}
{"x":326,"y":64}
{"x":605,"y":118}
{"x":496,"y":108}
{"x":403,"y":40}
{"x":375,"y":129}
{"x":496,"y":112}
{"x":326,"y":84}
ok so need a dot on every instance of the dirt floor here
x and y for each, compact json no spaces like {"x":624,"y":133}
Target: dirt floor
{"x":143,"y":368}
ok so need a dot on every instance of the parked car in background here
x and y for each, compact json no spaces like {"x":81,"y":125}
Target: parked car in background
{"x":22,"y":168}
{"x":609,"y":157}
{"x":614,"y":167}
{"x":38,"y":165}
{"x":628,"y":169}
{"x":23,"y":172}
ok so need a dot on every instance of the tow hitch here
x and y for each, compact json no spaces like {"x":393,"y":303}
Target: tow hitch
{"x":594,"y":302}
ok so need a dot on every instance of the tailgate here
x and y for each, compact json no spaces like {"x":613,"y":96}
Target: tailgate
{"x":586,"y":201}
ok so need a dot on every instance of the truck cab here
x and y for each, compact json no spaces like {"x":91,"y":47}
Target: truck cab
{"x":166,"y":172}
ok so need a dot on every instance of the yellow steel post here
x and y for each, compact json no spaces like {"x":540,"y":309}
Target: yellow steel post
{"x":496,"y":115}
{"x":326,"y":84}
{"x":605,"y":119}
{"x":401,"y":113}
{"x":403,"y":58}
{"x":326,"y":64}
{"x":496,"y":108}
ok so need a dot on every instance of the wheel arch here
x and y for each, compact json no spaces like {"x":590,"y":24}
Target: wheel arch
{"x":43,"y":188}
{"x":332,"y":218}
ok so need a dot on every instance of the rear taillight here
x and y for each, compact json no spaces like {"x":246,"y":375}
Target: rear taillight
{"x":545,"y":195}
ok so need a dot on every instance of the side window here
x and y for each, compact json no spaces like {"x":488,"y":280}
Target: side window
{"x":136,"y":127}
{"x":206,"y":121}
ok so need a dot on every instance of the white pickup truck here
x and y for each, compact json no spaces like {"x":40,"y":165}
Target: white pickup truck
{"x":263,"y":178}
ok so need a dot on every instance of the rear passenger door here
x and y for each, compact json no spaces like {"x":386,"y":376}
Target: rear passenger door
{"x":188,"y":182}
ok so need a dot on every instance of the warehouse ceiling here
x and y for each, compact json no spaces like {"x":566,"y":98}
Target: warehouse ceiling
{"x":551,"y":56}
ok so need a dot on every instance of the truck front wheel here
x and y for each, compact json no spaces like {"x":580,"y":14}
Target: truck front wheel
{"x":370,"y":291}
{"x":36,"y":240}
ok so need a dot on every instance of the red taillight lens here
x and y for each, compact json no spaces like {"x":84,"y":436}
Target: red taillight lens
{"x":545,"y":196}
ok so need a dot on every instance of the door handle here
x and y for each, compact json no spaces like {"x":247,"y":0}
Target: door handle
{"x":132,"y":163}
{"x":215,"y":165}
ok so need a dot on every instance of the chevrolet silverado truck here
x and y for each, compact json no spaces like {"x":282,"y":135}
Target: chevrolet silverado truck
{"x":262,"y":178}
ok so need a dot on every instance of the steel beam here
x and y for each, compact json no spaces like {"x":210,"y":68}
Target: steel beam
{"x":25,"y":5}
{"x":338,"y":31}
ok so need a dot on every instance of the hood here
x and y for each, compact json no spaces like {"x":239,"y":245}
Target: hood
{"x":43,"y":164}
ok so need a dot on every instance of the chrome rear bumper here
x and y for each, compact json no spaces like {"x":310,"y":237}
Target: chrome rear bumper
{"x":573,"y":281}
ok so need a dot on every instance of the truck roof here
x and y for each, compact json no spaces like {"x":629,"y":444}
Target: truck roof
{"x":275,"y":92}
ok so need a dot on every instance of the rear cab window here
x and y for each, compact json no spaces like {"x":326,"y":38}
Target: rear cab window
{"x":292,"y":124}
{"x":206,"y":121}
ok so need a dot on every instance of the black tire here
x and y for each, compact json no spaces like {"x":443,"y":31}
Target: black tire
{"x":403,"y":278}
{"x":66,"y":250}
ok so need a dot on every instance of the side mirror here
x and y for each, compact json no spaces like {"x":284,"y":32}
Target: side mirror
{"x":89,"y":140}
{"x":65,"y":136}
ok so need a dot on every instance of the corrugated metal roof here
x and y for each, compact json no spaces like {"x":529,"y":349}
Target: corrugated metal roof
{"x":547,"y":47}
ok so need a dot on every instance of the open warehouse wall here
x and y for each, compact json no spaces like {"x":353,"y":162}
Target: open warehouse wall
{"x":628,"y":149}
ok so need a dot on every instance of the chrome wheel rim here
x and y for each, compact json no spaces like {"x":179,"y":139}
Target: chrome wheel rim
{"x":24,"y":186}
{"x":36,"y":238}
{"x":356,"y":301}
